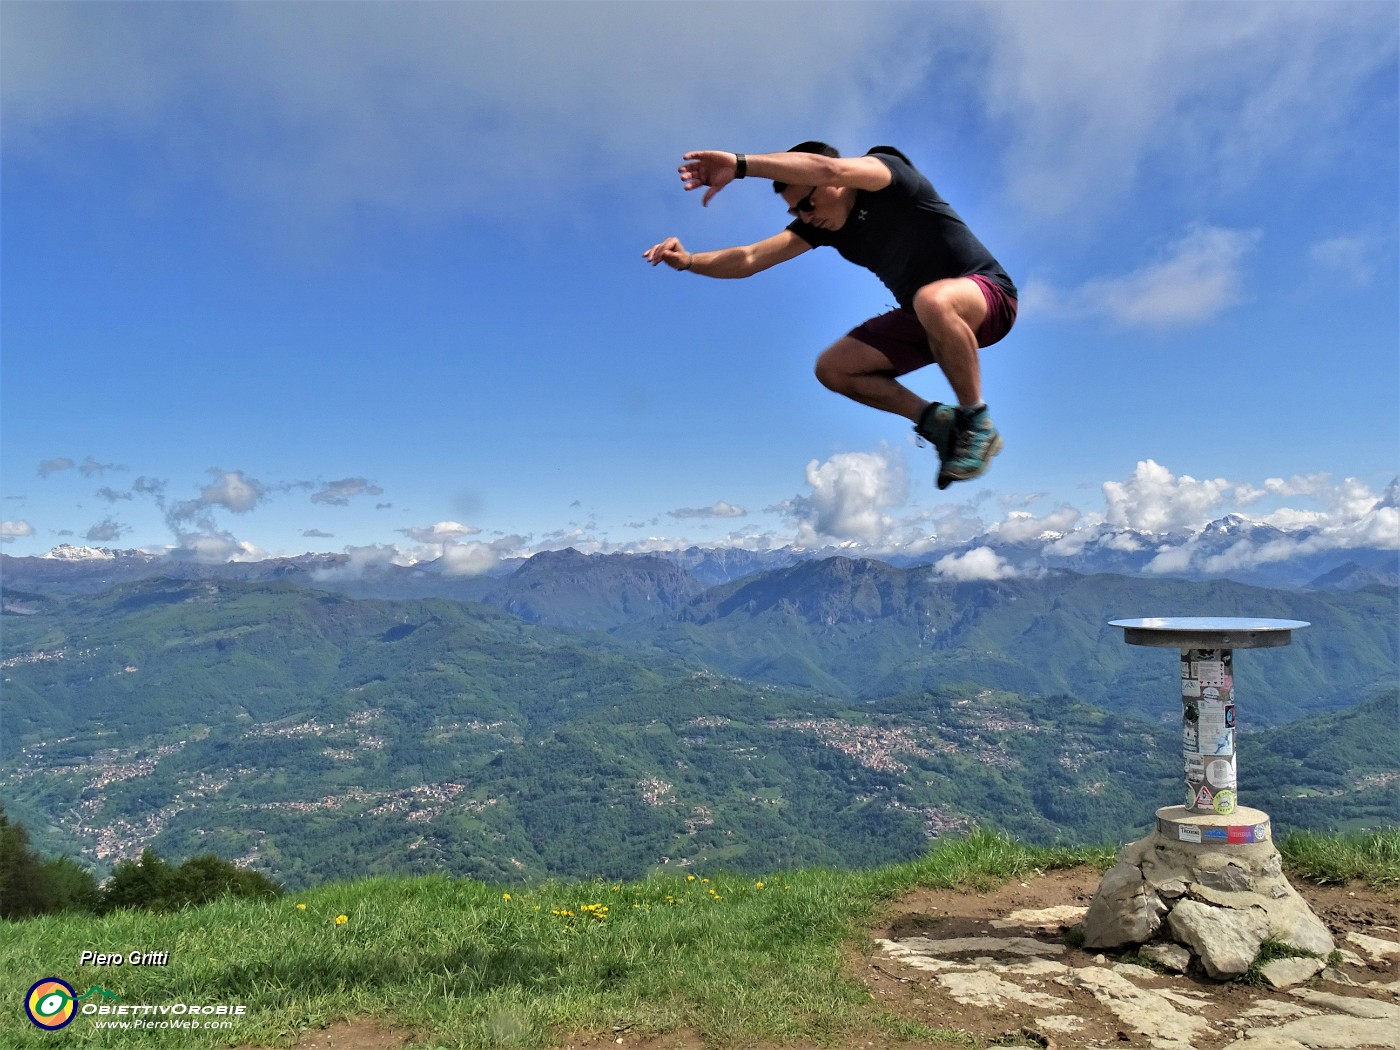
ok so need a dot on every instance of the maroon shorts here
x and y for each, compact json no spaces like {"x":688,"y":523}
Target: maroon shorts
{"x":900,"y":337}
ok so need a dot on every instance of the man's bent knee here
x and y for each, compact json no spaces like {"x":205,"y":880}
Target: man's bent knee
{"x":949,"y":302}
{"x":844,"y":362}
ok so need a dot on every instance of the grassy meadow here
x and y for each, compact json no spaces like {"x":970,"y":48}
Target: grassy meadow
{"x":464,"y":964}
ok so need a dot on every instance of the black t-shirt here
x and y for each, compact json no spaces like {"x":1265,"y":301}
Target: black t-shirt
{"x":907,"y":235}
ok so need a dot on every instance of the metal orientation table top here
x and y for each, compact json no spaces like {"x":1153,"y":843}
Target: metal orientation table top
{"x":1209,"y":632}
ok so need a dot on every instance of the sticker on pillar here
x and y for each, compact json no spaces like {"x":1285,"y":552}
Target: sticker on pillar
{"x":1209,"y":673}
{"x":1189,"y":686}
{"x":1224,"y":802}
{"x":1195,"y":768}
{"x":1221,"y":743}
{"x":1220,"y":773}
{"x":1240,"y":835}
{"x":1230,"y":716}
{"x":1189,"y":833}
{"x":1191,"y":728}
{"x":1204,"y":799}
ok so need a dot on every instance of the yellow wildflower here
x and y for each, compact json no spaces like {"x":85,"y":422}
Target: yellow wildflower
{"x":758,"y":885}
{"x":301,"y":907}
{"x":341,"y":920}
{"x":691,"y":878}
{"x":505,"y":896}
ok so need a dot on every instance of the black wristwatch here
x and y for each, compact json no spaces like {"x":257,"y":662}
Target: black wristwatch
{"x":741,"y":166}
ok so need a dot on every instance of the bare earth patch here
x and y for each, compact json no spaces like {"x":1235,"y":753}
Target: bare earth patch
{"x":997,"y":967}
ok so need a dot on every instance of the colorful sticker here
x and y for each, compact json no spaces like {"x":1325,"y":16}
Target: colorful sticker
{"x":1241,"y":835}
{"x":1224,"y":801}
{"x":1204,"y":799}
{"x":1189,"y":832}
{"x":1216,"y":835}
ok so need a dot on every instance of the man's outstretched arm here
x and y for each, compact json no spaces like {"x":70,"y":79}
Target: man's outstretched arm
{"x":743,"y":261}
{"x":716,"y":169}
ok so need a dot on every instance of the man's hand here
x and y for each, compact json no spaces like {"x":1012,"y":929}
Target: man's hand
{"x":712,"y":168}
{"x":671,"y":252}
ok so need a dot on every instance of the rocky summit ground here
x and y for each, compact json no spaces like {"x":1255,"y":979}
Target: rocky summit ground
{"x":997,"y":967}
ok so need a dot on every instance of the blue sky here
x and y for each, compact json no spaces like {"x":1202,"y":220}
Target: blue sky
{"x":324,"y":277}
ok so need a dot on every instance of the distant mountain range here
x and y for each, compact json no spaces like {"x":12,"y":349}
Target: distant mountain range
{"x":318,"y":736}
{"x":1230,"y":548}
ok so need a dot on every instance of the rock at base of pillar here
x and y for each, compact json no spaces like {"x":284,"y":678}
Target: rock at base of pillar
{"x":1222,"y":898}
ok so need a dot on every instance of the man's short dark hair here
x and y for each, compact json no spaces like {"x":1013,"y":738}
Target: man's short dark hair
{"x":810,"y":146}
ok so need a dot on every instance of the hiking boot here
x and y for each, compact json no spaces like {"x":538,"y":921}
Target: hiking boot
{"x":936,"y":427}
{"x":975,"y":442}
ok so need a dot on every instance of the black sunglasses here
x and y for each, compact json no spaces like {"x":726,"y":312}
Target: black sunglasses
{"x":804,"y":205}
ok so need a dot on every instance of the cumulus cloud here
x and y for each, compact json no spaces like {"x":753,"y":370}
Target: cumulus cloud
{"x":1021,"y":526}
{"x":980,"y":563}
{"x":53,"y":466}
{"x":442,"y":532}
{"x":106,"y":531}
{"x":1194,"y":279}
{"x":90,"y":467}
{"x":13,"y":530}
{"x":852,"y":493}
{"x":715,"y":510}
{"x":233,"y":491}
{"x":1156,"y":500}
{"x":149,"y":486}
{"x":475,"y":558}
{"x":340,"y":493}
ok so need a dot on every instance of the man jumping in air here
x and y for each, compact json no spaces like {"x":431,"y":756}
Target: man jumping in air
{"x":879,"y":212}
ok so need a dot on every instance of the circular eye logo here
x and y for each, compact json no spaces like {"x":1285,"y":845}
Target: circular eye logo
{"x":50,"y":1003}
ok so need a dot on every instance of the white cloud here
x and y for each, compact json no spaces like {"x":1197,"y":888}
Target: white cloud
{"x":442,"y":532}
{"x":851,"y":493}
{"x":1020,"y":526}
{"x":1350,"y":256}
{"x":980,"y":563}
{"x":1156,"y":500}
{"x":233,"y":491}
{"x":13,"y":530}
{"x":1094,"y":95}
{"x":106,"y":531}
{"x":53,"y":466}
{"x":719,"y":509}
{"x":1195,"y":279}
{"x":470,"y":559}
{"x":429,"y":107}
{"x":340,"y":493}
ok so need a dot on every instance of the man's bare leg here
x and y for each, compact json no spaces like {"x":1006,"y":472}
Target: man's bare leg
{"x":864,"y":374}
{"x":951,"y":311}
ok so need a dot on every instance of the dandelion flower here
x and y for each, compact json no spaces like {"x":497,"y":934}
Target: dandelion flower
{"x":301,"y":907}
{"x":758,"y":885}
{"x":341,"y":920}
{"x":691,"y":878}
{"x":505,"y":896}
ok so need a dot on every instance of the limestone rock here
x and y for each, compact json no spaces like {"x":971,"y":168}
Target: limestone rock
{"x":1172,"y":957}
{"x":1125,"y":910}
{"x":1293,"y":922}
{"x":1225,"y":940}
{"x":1285,"y":973}
{"x":1375,"y":947}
